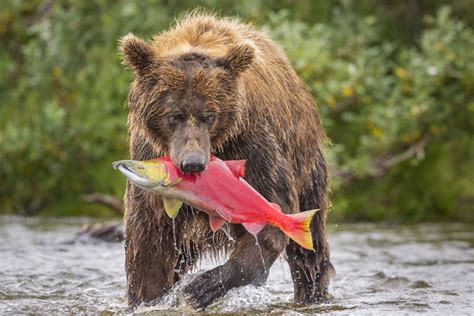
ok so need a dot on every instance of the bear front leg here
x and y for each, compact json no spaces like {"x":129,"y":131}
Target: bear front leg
{"x":249,"y":263}
{"x":150,"y":255}
{"x":311,"y":271}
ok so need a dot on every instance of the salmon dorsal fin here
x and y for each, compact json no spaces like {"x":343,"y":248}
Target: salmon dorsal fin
{"x":276,"y":206}
{"x":237,"y":167}
{"x":253,"y":228}
{"x":172,"y":207}
{"x":215,"y":222}
{"x":222,"y":214}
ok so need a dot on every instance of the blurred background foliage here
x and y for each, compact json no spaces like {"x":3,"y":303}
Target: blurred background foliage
{"x":394,"y":82}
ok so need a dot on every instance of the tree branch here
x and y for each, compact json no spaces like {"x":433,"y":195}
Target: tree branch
{"x":383,"y":163}
{"x":110,"y":201}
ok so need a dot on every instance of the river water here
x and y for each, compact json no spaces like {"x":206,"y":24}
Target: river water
{"x":426,"y":268}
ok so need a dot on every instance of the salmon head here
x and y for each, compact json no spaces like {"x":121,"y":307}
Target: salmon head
{"x":158,"y":176}
{"x":151,"y":175}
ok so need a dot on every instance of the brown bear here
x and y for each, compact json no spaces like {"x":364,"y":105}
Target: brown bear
{"x":218,"y":85}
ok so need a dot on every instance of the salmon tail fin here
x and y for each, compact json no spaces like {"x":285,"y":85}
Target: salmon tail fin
{"x":298,"y":228}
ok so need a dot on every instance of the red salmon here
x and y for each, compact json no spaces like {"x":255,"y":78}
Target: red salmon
{"x":220,"y":191}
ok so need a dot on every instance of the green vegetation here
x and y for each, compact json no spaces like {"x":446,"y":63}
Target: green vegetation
{"x":395,"y":92}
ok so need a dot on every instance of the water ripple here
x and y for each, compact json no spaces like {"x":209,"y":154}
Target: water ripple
{"x":380,"y":269}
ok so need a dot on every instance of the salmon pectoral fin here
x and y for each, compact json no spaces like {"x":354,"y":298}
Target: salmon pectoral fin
{"x":174,"y":182}
{"x":237,"y":167}
{"x":253,"y":228}
{"x":215,"y":223}
{"x":172,"y":207}
{"x":276,"y":206}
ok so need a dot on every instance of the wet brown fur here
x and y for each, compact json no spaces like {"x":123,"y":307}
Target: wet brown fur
{"x":264,"y":114}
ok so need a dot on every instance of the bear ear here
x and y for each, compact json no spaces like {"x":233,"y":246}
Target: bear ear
{"x":238,"y":58}
{"x":136,"y":53}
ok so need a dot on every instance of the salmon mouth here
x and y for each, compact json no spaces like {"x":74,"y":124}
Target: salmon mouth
{"x":139,"y":173}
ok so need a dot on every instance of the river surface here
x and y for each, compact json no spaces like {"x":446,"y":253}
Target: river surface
{"x":426,"y":268}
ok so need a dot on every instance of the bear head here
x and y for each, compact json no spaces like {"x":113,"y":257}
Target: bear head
{"x":188,"y":104}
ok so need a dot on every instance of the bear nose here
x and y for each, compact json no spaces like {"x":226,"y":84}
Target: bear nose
{"x":193,"y":163}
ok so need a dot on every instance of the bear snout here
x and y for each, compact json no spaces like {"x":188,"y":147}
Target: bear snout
{"x":193,"y":163}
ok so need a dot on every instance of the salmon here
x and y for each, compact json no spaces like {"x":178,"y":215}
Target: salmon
{"x":220,"y":191}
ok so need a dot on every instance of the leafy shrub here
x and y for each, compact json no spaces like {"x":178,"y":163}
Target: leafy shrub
{"x":379,"y":102}
{"x":63,"y":113}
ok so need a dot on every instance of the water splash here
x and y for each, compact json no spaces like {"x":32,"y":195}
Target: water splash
{"x":261,"y":254}
{"x":173,"y":301}
{"x":379,"y":271}
{"x":174,"y":236}
{"x":282,"y":267}
{"x":249,"y":298}
{"x":219,"y":266}
{"x":226,"y":231}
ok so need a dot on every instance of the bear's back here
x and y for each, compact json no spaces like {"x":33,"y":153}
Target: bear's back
{"x":212,"y":36}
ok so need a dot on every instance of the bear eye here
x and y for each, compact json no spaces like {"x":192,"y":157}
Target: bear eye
{"x":175,"y":118}
{"x":210,"y":118}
